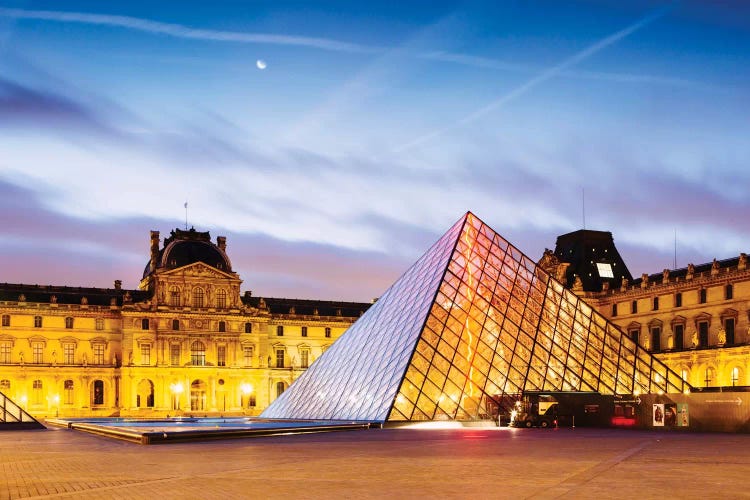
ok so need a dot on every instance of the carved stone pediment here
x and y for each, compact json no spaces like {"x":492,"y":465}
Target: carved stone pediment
{"x":200,"y":270}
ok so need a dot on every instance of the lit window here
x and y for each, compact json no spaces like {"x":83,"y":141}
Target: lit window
{"x":221,"y":356}
{"x":68,"y":322}
{"x":37,"y":352}
{"x":198,"y":297}
{"x":305,"y":358}
{"x":37,"y":321}
{"x":68,"y":392}
{"x":221,"y":298}
{"x":5,"y":351}
{"x":605,"y":270}
{"x":279,"y":358}
{"x":37,"y":396}
{"x":174,"y":354}
{"x":735,"y":376}
{"x":69,"y":354}
{"x":99,"y":323}
{"x":247,"y":355}
{"x":145,"y":354}
{"x":98,"y":354}
{"x":198,"y":354}
{"x":174,"y":296}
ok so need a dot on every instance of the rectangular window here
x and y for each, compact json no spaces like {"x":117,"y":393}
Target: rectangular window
{"x":280,"y":331}
{"x":279,"y":358}
{"x":729,"y":330}
{"x":146,"y":354}
{"x":37,"y":352}
{"x":69,"y":354}
{"x":703,"y":334}
{"x":247,"y":356}
{"x":221,"y":355}
{"x":251,"y":401}
{"x":702,"y":295}
{"x":5,"y":351}
{"x":68,"y":392}
{"x":37,"y":321}
{"x":729,"y":292}
{"x":634,"y":334}
{"x":99,"y":323}
{"x":304,"y":331}
{"x":605,"y":270}
{"x":68,"y":322}
{"x":98,"y":354}
{"x":678,"y":300}
{"x":614,"y":310}
{"x":328,"y":333}
{"x":6,"y":319}
{"x":174,"y":354}
{"x":679,"y":336}
{"x":656,"y":303}
{"x":634,"y":307}
{"x":656,"y":339}
{"x":305,"y":358}
{"x":248,"y":327}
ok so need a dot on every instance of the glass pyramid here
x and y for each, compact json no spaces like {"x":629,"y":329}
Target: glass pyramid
{"x":472,"y":323}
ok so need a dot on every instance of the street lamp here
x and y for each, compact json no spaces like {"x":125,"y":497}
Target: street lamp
{"x":176,"y":389}
{"x":56,"y":400}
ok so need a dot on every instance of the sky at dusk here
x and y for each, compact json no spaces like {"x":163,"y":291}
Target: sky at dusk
{"x":334,"y":142}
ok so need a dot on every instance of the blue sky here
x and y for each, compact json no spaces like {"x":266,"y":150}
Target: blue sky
{"x":372,"y":128}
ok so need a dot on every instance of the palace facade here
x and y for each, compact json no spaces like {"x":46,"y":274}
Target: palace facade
{"x":187,"y":341}
{"x":695,"y":319}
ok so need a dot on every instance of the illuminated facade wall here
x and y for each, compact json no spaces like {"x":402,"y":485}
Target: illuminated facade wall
{"x":473,"y":320}
{"x":187,"y":342}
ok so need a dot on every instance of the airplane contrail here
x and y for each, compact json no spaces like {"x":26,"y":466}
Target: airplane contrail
{"x":540,"y":78}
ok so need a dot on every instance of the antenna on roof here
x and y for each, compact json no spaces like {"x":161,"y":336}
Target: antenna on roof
{"x":583,"y":206}
{"x":186,"y":216}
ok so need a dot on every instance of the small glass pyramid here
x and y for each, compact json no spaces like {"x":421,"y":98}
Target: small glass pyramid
{"x":472,"y":323}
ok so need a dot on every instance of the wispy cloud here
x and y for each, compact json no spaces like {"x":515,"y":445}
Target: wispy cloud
{"x":540,"y":78}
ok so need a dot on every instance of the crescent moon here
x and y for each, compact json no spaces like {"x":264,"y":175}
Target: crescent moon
{"x":261,"y":64}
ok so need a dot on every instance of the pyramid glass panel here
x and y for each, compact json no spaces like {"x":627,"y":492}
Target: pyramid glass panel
{"x":473,"y":323}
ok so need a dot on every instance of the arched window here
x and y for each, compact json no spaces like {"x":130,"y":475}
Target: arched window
{"x":198,"y":353}
{"x":97,"y":393}
{"x":248,"y":327}
{"x":280,"y":387}
{"x":197,"y":297}
{"x":144,"y":324}
{"x":221,"y":298}
{"x":222,"y":326}
{"x":735,"y":376}
{"x":68,"y":392}
{"x":174,"y":296}
{"x":175,"y":324}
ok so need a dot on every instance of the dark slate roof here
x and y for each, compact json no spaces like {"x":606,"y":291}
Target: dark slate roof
{"x":307,"y":307}
{"x":583,"y":249}
{"x":699,"y":269}
{"x":182,"y":248}
{"x":68,"y":294}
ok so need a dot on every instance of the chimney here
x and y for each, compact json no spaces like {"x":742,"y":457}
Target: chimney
{"x":118,"y":284}
{"x":221,"y":242}
{"x":154,"y":250}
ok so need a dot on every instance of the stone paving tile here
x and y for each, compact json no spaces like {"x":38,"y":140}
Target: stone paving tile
{"x":468,"y":463}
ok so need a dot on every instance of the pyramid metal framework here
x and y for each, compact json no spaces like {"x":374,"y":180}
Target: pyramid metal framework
{"x":472,"y":323}
{"x":12,"y":415}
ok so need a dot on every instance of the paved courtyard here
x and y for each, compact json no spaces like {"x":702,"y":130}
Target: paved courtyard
{"x":394,"y":463}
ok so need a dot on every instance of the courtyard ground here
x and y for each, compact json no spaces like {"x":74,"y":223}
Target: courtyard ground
{"x":392,"y":463}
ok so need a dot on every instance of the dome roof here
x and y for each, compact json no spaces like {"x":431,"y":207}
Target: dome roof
{"x":183,"y":248}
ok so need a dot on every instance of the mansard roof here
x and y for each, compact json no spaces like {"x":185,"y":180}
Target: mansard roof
{"x":306,"y":307}
{"x":14,"y":292}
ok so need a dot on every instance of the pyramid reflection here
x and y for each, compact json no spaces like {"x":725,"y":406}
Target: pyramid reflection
{"x":473,"y":323}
